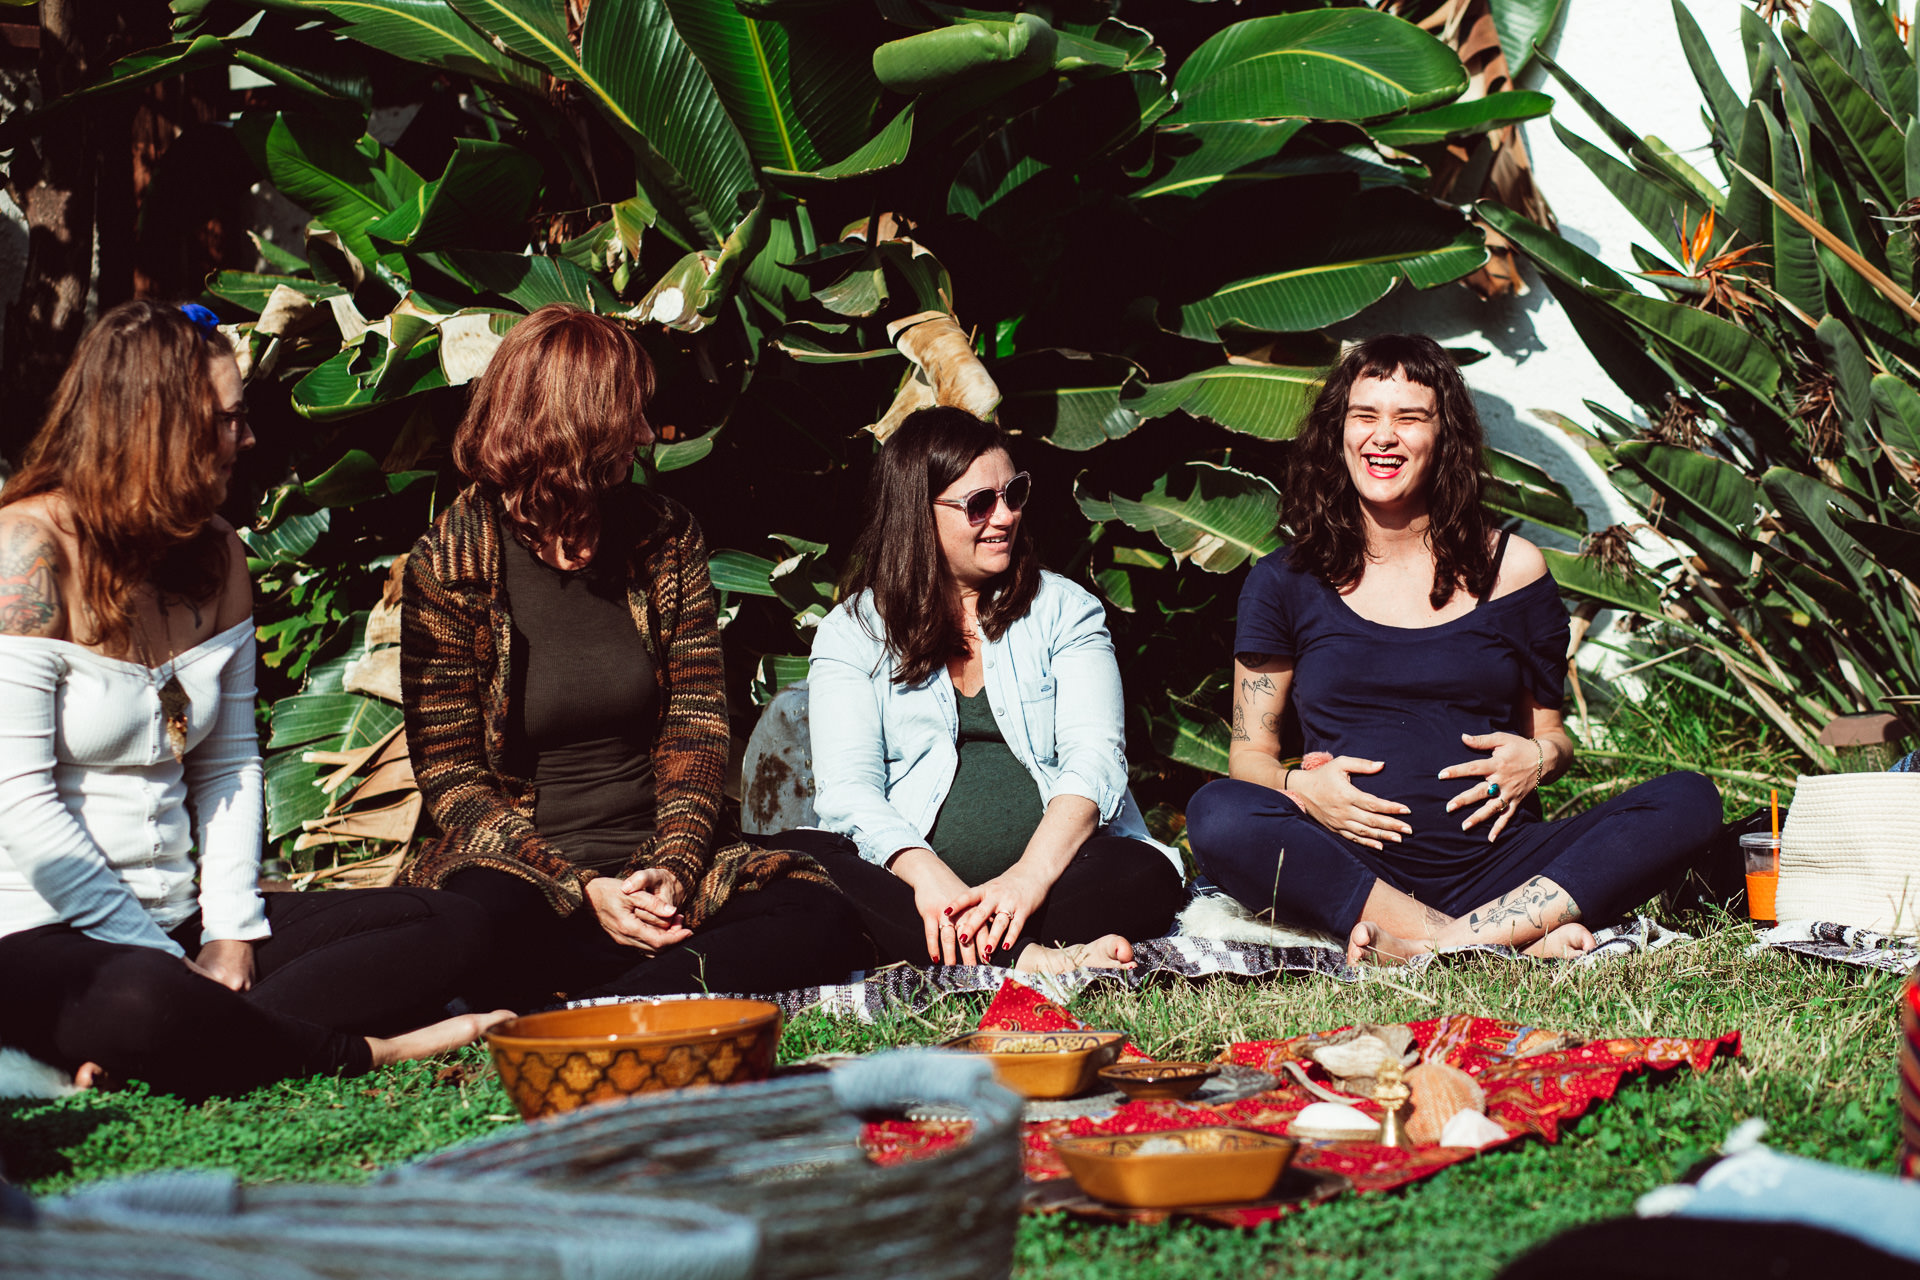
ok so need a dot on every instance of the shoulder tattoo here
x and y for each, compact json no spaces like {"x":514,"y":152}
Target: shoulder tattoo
{"x":29,"y":581}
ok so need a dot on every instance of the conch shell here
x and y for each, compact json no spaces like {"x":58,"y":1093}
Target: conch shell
{"x":1440,"y":1092}
{"x":1355,"y":1056}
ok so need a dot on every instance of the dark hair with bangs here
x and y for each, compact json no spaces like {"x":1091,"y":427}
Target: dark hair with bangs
{"x":129,"y":442}
{"x":553,"y":423}
{"x":898,"y":555}
{"x":1320,"y":512}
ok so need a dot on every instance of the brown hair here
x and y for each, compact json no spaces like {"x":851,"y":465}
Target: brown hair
{"x":898,"y":555}
{"x":1319,"y":510}
{"x":129,"y":442}
{"x":553,"y":423}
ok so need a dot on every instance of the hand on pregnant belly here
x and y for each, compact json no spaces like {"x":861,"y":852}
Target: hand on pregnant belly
{"x":1509,"y":770}
{"x":1325,"y":790}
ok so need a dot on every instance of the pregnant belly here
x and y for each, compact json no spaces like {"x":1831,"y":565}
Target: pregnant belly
{"x":1411,"y":758}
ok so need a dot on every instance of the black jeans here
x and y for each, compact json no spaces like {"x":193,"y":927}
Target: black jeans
{"x":340,"y":966}
{"x":791,"y":933}
{"x":1113,"y":885}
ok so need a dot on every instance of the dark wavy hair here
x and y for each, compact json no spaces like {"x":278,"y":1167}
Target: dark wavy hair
{"x":553,"y":422}
{"x":1319,"y":510}
{"x":130,"y":442}
{"x":898,"y":556}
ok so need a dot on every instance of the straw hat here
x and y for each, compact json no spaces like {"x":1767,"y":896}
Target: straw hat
{"x":1850,"y":852}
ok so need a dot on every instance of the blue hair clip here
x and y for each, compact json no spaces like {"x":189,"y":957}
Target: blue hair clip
{"x":204,"y":320}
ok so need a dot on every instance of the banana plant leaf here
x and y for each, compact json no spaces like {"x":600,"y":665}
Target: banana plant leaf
{"x":1343,"y":258}
{"x":1193,"y":160}
{"x":1331,"y":64}
{"x":1618,"y":589}
{"x":346,"y":719}
{"x":1520,"y":488}
{"x":1891,"y":66}
{"x":950,"y":56}
{"x":286,"y":541}
{"x":1521,"y":24}
{"x":346,"y":183}
{"x":883,"y":151}
{"x":1717,"y":345}
{"x":1069,"y":397}
{"x":800,"y":94}
{"x":1875,"y":150}
{"x":1897,"y":412}
{"x":529,"y":280}
{"x":1224,"y":518}
{"x":357,"y":478}
{"x":1268,"y":401}
{"x":1726,"y":107}
{"x":741,"y":573}
{"x":1481,"y":115}
{"x":1658,"y":204}
{"x":481,"y":197}
{"x":1192,"y":735}
{"x":377,"y":371}
{"x":251,"y":289}
{"x":1816,"y":510}
{"x":1714,"y":491}
{"x":1894,"y":548}
{"x":428,"y":31}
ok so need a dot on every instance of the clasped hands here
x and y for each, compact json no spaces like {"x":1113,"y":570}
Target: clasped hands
{"x":641,"y":911}
{"x":1323,"y":785}
{"x":970,"y":924}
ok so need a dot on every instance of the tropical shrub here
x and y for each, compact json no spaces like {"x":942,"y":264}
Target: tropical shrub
{"x":1069,"y":218}
{"x":1768,"y":340}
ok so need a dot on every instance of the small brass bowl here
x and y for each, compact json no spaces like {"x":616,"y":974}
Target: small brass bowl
{"x":1042,"y":1064}
{"x":1148,"y":1081}
{"x":554,"y":1062}
{"x":1178,"y":1169}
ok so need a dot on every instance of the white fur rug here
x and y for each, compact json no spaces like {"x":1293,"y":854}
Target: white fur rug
{"x":1222,"y":918}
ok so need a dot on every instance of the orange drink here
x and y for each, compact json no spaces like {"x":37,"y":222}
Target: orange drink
{"x":1762,"y":854}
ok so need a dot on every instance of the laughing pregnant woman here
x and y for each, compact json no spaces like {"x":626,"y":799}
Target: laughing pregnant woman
{"x":1424,"y":653}
{"x":966,"y":722}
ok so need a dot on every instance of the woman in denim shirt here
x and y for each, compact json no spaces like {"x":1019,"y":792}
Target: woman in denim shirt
{"x":967,"y":728}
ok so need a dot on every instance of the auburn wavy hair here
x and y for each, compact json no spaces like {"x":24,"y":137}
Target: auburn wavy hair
{"x":554,"y":421}
{"x":1319,"y":509}
{"x":129,"y":444}
{"x":898,"y":557}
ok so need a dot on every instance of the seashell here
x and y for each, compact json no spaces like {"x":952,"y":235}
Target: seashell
{"x":1470,"y":1129}
{"x":1359,"y":1057}
{"x":1440,"y":1092}
{"x":1333,"y":1122}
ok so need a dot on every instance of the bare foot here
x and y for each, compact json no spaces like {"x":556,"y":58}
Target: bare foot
{"x":1564,"y":943}
{"x":1109,"y":952}
{"x":435,"y":1038}
{"x":89,"y":1075}
{"x":1369,"y":941}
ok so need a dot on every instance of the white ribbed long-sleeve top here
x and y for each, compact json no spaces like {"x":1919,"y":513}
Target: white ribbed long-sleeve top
{"x":94,"y":822}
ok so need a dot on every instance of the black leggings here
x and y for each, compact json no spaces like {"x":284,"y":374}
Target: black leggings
{"x":340,"y":966}
{"x":791,"y":933}
{"x":1263,"y":849}
{"x":1113,"y":885}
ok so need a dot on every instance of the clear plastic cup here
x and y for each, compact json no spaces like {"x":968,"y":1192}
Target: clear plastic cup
{"x":1762,"y":853}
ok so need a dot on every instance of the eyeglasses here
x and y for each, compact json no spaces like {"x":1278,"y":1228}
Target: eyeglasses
{"x":979,"y":504}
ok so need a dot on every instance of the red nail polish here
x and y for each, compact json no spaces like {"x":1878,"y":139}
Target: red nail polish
{"x":963,"y":939}
{"x":946,"y":911}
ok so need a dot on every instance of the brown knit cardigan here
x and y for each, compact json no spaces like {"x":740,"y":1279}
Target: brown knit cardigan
{"x":455,"y":656}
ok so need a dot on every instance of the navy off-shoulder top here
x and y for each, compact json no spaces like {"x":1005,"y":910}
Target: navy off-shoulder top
{"x":1404,"y":695}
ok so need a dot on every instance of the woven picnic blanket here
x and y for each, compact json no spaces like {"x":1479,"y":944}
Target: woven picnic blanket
{"x":907,"y":988}
{"x":1843,"y":944}
{"x":1535,"y":1080}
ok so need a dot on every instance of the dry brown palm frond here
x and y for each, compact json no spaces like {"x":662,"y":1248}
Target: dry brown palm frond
{"x":1681,"y":424}
{"x":1818,"y":408}
{"x":1612,"y":549}
{"x":1771,"y":10}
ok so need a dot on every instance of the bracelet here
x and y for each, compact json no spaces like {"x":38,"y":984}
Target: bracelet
{"x":1540,"y":765}
{"x":1287,"y":777}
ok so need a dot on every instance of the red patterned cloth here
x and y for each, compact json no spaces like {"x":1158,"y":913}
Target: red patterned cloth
{"x":1534,"y":1079}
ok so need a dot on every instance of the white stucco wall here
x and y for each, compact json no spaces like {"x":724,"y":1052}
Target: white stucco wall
{"x":1628,"y":55}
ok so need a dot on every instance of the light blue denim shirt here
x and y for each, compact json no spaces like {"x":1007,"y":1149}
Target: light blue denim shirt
{"x":884,"y":754}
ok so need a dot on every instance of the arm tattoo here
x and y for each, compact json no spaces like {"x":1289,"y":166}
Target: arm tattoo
{"x":1249,"y":689}
{"x":1240,"y":722}
{"x":1530,"y":902}
{"x":29,"y":584}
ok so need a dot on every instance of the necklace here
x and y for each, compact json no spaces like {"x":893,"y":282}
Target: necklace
{"x":175,"y":706}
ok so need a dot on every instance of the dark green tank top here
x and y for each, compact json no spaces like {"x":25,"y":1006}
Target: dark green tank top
{"x":993,"y":807}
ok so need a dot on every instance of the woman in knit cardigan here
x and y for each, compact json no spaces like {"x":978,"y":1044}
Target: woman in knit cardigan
{"x":560,"y":663}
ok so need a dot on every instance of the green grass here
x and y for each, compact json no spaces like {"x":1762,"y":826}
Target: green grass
{"x":1818,"y":1064}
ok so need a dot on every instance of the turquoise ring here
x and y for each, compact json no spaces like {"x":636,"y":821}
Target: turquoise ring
{"x":1493,"y":789}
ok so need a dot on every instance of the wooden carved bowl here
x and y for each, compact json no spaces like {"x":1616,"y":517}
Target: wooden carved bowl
{"x":1150,"y":1081}
{"x":554,"y":1062}
{"x":1043,"y":1064}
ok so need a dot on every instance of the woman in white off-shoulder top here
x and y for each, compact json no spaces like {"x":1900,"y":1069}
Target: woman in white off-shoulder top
{"x":133,"y":936}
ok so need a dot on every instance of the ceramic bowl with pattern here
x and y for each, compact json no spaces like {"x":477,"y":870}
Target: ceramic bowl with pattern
{"x":1043,"y":1064}
{"x":1151,"y":1081}
{"x":554,"y":1062}
{"x":1178,"y":1168}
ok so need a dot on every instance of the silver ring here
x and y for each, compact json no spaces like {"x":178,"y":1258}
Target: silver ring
{"x":946,"y":924}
